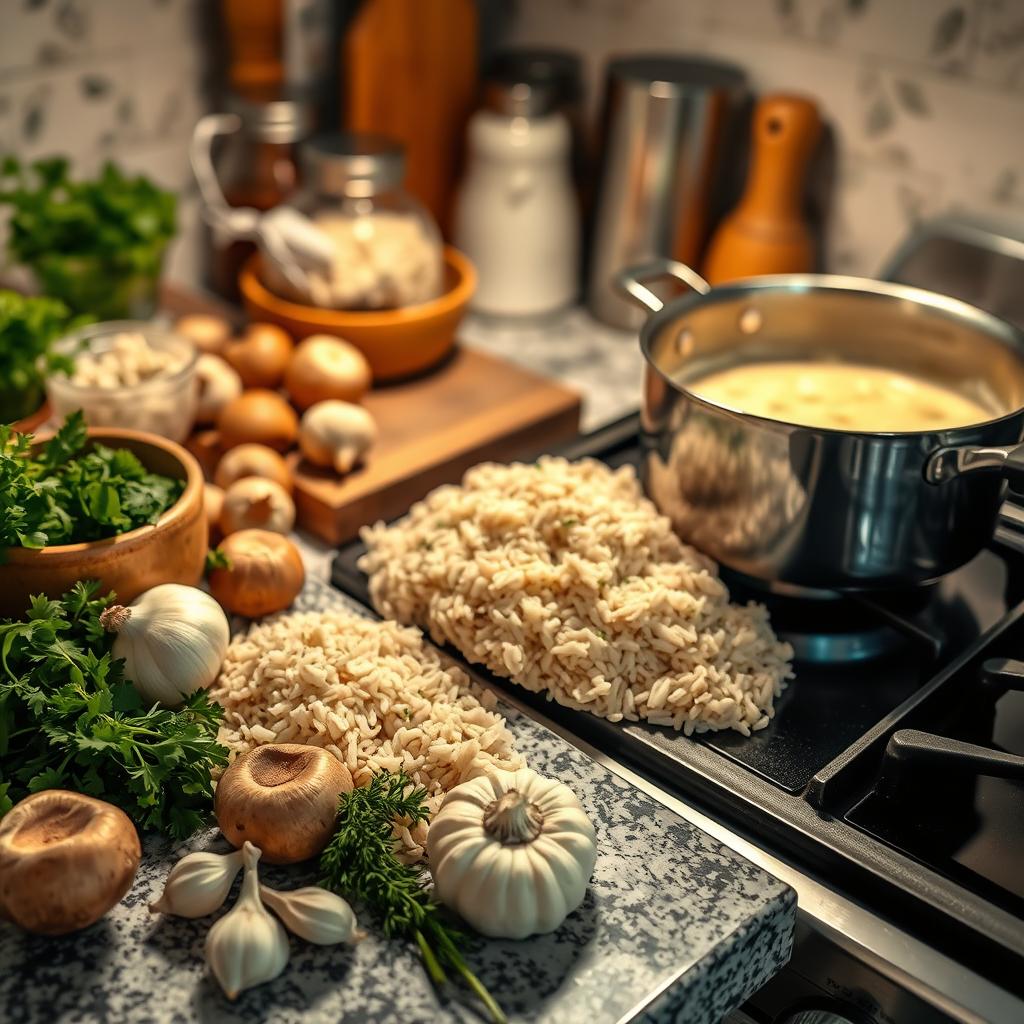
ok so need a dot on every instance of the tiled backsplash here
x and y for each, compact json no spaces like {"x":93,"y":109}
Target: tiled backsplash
{"x":109,"y":79}
{"x":925,"y":97}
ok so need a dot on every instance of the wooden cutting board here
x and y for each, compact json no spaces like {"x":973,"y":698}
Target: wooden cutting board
{"x":472,"y":408}
{"x":432,"y":429}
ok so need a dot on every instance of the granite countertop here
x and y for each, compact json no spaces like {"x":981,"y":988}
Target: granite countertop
{"x":604,"y":364}
{"x":675,"y":927}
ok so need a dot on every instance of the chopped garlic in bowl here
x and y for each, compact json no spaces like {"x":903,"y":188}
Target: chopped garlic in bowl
{"x":128,"y":373}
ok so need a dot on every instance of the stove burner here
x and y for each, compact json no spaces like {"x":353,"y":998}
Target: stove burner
{"x":824,"y":626}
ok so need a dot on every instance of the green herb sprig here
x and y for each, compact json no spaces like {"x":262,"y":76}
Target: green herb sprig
{"x":62,"y":497}
{"x":360,"y":862}
{"x":69,"y":719}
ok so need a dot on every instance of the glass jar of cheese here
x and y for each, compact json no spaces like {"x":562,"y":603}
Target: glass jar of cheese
{"x":387,"y":248}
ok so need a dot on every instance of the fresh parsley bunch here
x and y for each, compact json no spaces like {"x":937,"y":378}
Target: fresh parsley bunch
{"x":69,"y":719}
{"x":88,"y":242}
{"x":63,"y":497}
{"x":28,"y":327}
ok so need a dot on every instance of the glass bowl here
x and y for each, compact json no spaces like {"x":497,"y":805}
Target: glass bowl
{"x":164,"y":404}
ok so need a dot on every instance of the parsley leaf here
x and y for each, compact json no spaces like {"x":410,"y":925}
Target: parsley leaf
{"x":69,"y":719}
{"x":28,"y":327}
{"x":67,"y":494}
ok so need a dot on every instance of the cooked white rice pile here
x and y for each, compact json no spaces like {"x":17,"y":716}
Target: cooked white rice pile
{"x":374,"y":694}
{"x":563,"y":577}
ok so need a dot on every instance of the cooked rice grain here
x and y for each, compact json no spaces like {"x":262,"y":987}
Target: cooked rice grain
{"x":372,"y":693}
{"x":563,"y":577}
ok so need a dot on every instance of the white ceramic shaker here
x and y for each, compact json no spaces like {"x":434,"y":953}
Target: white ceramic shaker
{"x":516,"y":214}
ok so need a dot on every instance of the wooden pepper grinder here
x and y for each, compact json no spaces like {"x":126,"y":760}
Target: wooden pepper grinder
{"x":767,"y":233}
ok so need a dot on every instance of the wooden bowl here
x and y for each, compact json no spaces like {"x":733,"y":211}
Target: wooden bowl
{"x":29,"y":423}
{"x":396,"y":342}
{"x":172,"y":550}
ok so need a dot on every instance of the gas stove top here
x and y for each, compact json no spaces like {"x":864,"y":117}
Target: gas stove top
{"x":894,"y":767}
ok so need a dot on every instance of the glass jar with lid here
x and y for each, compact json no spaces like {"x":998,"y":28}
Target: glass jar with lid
{"x":387,"y":248}
{"x":258,"y":167}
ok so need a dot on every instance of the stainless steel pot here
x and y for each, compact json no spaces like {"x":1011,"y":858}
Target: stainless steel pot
{"x":822,"y":508}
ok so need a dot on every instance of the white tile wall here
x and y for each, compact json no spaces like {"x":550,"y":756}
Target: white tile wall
{"x":109,"y":79}
{"x":926,"y":97}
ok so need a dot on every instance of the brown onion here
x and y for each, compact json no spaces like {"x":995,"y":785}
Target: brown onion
{"x":208,"y":333}
{"x":253,"y":460}
{"x":260,"y":355}
{"x":324,"y":367}
{"x":256,"y":503}
{"x":260,"y":417}
{"x":266,"y":573}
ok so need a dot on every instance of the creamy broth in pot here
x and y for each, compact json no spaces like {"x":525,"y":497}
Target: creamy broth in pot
{"x":842,"y":396}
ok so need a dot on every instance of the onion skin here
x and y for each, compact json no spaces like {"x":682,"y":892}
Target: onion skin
{"x":266,"y":573}
{"x":258,"y":417}
{"x":325,"y":367}
{"x":283,"y":798}
{"x":65,"y":860}
{"x":261,"y":355}
{"x":256,"y":503}
{"x":253,"y":460}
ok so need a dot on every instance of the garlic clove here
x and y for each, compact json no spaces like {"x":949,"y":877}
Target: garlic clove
{"x":198,"y":884}
{"x":314,"y":914}
{"x":248,"y":945}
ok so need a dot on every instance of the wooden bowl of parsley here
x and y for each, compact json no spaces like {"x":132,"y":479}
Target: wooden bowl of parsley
{"x":119,"y":506}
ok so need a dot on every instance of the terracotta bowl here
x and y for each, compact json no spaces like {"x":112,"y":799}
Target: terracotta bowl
{"x":172,"y":550}
{"x":397,"y":342}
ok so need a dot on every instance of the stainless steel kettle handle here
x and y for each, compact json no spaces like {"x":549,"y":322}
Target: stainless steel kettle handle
{"x":948,"y":463}
{"x":630,"y":281}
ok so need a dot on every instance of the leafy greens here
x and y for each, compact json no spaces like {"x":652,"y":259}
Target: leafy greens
{"x":360,"y":862}
{"x":65,"y":494}
{"x":85,"y":240}
{"x":28,"y":326}
{"x":69,"y":719}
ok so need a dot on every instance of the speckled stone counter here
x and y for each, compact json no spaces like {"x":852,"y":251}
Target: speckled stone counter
{"x":674,"y":928}
{"x":604,"y":364}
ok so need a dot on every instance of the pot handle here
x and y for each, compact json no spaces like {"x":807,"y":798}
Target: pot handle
{"x":949,"y":463}
{"x":630,"y":281}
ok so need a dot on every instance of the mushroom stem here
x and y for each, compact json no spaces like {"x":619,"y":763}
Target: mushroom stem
{"x":114,"y":618}
{"x":512,"y":819}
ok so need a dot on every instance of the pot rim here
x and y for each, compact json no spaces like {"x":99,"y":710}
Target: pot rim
{"x":192,"y":475}
{"x":995,"y":327}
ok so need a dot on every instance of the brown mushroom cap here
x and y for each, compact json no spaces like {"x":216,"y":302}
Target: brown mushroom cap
{"x":282,"y":797}
{"x":65,"y":860}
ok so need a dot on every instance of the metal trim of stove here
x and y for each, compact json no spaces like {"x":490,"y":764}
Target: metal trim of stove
{"x":846,"y":955}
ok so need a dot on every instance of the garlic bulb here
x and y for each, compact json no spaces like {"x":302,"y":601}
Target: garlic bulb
{"x":173,"y":640}
{"x":512,"y":853}
{"x":247,"y":946}
{"x":314,"y":914}
{"x":198,"y":884}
